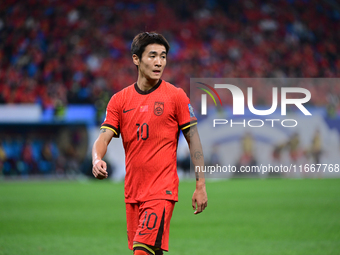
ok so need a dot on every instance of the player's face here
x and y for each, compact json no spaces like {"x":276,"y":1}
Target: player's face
{"x":153,"y":61}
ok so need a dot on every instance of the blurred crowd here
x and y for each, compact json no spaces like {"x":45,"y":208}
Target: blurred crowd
{"x":58,"y":52}
{"x":42,"y":150}
{"x":24,"y":157}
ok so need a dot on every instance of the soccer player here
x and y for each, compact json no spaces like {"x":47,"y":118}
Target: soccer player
{"x":148,"y":115}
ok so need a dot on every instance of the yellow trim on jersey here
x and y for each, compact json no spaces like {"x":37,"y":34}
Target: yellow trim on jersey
{"x":193,"y":124}
{"x":110,"y":129}
{"x":144,"y":246}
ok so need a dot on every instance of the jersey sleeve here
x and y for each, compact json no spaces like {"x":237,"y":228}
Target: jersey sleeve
{"x":184,"y":112}
{"x":112,"y":117}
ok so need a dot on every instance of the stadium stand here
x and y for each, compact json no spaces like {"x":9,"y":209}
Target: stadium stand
{"x":61,"y":52}
{"x":58,"y":53}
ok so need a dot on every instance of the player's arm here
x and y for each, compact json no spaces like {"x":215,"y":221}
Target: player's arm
{"x":98,"y":151}
{"x":199,"y":198}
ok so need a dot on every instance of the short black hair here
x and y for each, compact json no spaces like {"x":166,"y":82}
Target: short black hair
{"x":143,"y":39}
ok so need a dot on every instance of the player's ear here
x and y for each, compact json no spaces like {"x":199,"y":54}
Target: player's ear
{"x":135,"y":59}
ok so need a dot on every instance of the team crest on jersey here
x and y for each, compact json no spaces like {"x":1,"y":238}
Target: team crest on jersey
{"x":159,"y":108}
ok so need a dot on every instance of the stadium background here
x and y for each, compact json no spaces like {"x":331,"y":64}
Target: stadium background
{"x":60,"y":62}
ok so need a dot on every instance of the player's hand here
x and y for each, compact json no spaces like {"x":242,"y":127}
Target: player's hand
{"x":199,"y":200}
{"x":99,"y":169}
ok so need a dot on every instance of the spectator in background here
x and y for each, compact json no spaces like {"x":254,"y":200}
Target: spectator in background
{"x":293,"y":145}
{"x":47,"y":162}
{"x":316,"y":147}
{"x":3,"y":157}
{"x":47,"y":151}
{"x":28,"y":163}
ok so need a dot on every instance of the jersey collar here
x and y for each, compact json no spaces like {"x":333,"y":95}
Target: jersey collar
{"x":148,"y":91}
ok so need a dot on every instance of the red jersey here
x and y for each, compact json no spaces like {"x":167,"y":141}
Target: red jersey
{"x":150,"y":122}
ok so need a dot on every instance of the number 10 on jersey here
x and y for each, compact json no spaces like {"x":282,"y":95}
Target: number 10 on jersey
{"x":142,"y":131}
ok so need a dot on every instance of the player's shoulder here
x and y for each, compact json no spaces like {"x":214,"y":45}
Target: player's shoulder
{"x":118,"y":98}
{"x":124,"y":92}
{"x":173,"y":90}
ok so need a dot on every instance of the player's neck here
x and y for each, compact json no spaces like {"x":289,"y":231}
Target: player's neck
{"x":145,"y":84}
